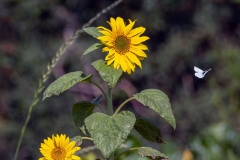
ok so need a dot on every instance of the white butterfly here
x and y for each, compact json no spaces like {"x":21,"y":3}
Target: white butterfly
{"x":200,"y":73}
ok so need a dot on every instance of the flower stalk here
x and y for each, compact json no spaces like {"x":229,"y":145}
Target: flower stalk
{"x":118,"y":109}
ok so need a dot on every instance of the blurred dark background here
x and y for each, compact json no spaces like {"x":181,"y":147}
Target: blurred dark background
{"x":183,"y":34}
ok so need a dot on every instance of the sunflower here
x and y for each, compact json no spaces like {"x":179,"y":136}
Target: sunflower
{"x":123,"y":44}
{"x":58,"y":148}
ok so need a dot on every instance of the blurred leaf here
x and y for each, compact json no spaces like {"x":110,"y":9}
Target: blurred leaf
{"x":159,"y":102}
{"x":93,"y":31}
{"x":65,"y":82}
{"x":148,"y":130}
{"x":80,"y":111}
{"x":108,"y":73}
{"x":109,"y":132}
{"x":151,"y":153}
{"x":77,"y":139}
{"x":92,"y":48}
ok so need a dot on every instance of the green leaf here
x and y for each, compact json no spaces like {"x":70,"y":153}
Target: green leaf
{"x":93,"y":31}
{"x":109,"y":132}
{"x":92,"y":48}
{"x":77,"y":139}
{"x":159,"y":102}
{"x":80,"y":111}
{"x":151,"y":153}
{"x":108,"y":73}
{"x":148,"y":130}
{"x":65,"y":82}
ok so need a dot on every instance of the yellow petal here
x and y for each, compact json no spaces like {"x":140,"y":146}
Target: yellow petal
{"x":105,"y":38}
{"x":110,"y":61}
{"x":110,"y":55}
{"x":123,"y":63}
{"x":105,"y":49}
{"x":138,"y":52}
{"x":113,"y":24}
{"x":140,"y":46}
{"x":129,"y":63}
{"x":70,"y":146}
{"x":49,"y":143}
{"x":75,"y":157}
{"x":103,"y":28}
{"x":138,"y":40}
{"x":128,"y":28}
{"x":136,"y":31}
{"x":116,"y":62}
{"x":106,"y":33}
{"x":129,"y":71}
{"x":134,"y":59}
{"x":120,"y":25}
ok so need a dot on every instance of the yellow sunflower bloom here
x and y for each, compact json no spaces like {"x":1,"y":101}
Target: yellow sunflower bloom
{"x":123,"y":44}
{"x":59,"y":148}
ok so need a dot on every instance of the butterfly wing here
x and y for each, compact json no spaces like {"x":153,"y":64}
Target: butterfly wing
{"x":199,"y":74}
{"x":196,"y":69}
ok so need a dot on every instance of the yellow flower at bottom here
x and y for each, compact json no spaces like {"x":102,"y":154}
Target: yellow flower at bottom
{"x":59,"y":148}
{"x":123,"y":44}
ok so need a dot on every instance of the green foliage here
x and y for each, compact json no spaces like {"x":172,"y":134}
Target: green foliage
{"x":93,"y":31}
{"x":148,"y":130}
{"x":108,"y":73}
{"x":92,"y":48}
{"x":80,"y":111}
{"x":109,"y":132}
{"x":151,"y":153}
{"x":65,"y":82}
{"x":178,"y":44}
{"x":159,"y":102}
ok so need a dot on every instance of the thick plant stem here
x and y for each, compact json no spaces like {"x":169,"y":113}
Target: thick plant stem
{"x":110,"y":112}
{"x":118,"y":109}
{"x":110,"y":106}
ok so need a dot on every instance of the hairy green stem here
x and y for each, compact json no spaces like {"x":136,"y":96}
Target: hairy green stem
{"x":131,"y":149}
{"x":51,"y":65}
{"x":35,"y":101}
{"x":118,"y":109}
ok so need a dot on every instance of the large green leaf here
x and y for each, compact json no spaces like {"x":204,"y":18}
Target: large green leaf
{"x":109,"y":132}
{"x":108,"y":73}
{"x":148,"y":130}
{"x":151,"y":153}
{"x":92,"y":48}
{"x":65,"y":82}
{"x":159,"y":102}
{"x":93,"y":31}
{"x":80,"y":111}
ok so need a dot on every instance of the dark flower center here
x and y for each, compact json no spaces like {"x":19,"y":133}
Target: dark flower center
{"x":121,"y":44}
{"x":58,"y":153}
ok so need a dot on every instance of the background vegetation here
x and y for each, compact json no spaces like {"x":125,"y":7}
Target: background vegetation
{"x":183,"y":33}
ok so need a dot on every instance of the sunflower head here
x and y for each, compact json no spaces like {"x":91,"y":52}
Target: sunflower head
{"x":123,"y":44}
{"x":59,"y":148}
